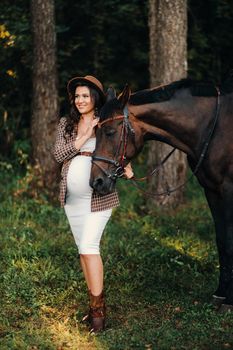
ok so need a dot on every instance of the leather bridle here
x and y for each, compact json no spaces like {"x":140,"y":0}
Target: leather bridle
{"x":126,"y":130}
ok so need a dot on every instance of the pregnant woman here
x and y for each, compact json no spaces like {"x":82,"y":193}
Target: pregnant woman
{"x":87,"y":213}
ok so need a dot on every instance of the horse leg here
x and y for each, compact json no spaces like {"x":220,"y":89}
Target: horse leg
{"x":217,"y":210}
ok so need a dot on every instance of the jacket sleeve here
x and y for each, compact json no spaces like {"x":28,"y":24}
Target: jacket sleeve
{"x":64,"y":149}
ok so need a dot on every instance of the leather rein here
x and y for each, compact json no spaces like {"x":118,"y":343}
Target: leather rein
{"x":126,"y":130}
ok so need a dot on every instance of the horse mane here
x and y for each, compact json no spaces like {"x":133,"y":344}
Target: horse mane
{"x":165,"y":92}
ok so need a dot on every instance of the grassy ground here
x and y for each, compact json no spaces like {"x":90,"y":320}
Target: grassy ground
{"x":160,"y":272}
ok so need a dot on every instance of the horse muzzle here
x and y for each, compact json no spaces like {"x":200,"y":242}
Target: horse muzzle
{"x":103,"y":180}
{"x":102,"y":184}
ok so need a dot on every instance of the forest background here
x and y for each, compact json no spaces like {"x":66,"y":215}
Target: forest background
{"x":171,"y":279}
{"x":115,"y":48}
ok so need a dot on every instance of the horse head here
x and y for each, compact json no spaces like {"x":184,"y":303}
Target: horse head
{"x":116,"y":141}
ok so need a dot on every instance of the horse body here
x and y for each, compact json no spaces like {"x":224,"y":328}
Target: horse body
{"x":217,"y":168}
{"x":183,"y":120}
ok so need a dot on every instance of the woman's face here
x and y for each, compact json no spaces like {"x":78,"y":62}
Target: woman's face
{"x":83,"y":100}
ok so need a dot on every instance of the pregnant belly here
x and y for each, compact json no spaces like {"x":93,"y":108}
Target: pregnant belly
{"x":78,"y":177}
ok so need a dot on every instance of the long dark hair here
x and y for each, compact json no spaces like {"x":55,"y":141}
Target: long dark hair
{"x":74,"y":115}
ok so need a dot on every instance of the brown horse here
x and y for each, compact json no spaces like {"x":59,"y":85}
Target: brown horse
{"x":196,"y":118}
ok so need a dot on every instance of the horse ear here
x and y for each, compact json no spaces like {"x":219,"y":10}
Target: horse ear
{"x":110,"y":94}
{"x":123,"y":98}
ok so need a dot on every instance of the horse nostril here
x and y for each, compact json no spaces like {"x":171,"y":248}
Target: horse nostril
{"x":98,"y":183}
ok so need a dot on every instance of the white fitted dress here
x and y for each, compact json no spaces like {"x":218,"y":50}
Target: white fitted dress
{"x":87,"y":227}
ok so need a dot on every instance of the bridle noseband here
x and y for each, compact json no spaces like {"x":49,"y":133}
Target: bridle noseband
{"x":125,"y":131}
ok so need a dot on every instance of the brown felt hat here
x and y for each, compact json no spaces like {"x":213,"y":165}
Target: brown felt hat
{"x":90,"y":81}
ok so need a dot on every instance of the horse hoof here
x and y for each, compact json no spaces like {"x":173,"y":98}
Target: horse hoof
{"x":225,"y":308}
{"x":217,"y":301}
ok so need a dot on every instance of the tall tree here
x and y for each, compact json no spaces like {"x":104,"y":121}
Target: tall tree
{"x":45,"y":94}
{"x":168,"y":62}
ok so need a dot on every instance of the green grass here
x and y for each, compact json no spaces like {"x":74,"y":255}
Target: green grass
{"x":160,"y":271}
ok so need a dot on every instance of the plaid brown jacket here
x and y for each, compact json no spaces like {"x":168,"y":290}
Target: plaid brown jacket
{"x":64,"y":151}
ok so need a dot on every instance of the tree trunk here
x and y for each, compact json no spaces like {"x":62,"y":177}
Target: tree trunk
{"x":45,"y":106}
{"x":168,"y":62}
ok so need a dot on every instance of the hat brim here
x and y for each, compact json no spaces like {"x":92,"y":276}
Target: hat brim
{"x":71,"y":86}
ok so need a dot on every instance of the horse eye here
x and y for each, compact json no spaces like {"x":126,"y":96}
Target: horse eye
{"x":109,"y":131}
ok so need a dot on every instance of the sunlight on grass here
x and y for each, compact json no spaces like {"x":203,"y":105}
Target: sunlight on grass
{"x":65,"y":336}
{"x":193,"y":249}
{"x":66,"y":332}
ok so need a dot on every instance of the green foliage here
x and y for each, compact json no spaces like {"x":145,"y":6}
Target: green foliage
{"x":209,"y":39}
{"x":106,"y":38}
{"x":15,"y":73}
{"x":160,"y":271}
{"x":103,"y":38}
{"x":15,"y":59}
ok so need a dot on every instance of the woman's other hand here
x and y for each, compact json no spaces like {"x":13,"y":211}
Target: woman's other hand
{"x":128,"y":171}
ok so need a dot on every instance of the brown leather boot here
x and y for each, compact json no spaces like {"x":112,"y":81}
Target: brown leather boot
{"x":97,"y":312}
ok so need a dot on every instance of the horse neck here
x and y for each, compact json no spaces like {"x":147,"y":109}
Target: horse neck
{"x":180,"y":124}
